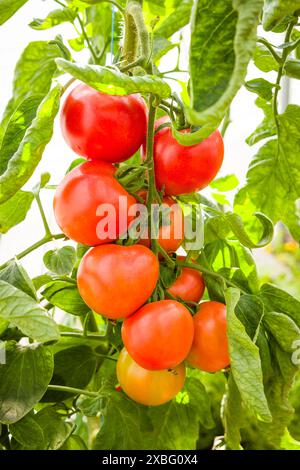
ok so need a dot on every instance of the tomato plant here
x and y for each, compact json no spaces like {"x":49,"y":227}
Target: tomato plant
{"x":148,"y":387}
{"x":210,"y":351}
{"x":78,"y":198}
{"x":183,"y":169}
{"x":96,"y":329}
{"x":189,"y":285}
{"x":144,"y":335}
{"x":100,"y":126}
{"x":108,"y":276}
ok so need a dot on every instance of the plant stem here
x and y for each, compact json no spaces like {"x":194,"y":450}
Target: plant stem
{"x":280,"y":73}
{"x":43,"y":241}
{"x":87,"y":40}
{"x":204,"y":270}
{"x":74,"y":334}
{"x":226,"y":123}
{"x":270,"y":49}
{"x":168,"y":259}
{"x":77,"y":391}
{"x":105,"y":356}
{"x":42,"y":212}
{"x":66,"y":86}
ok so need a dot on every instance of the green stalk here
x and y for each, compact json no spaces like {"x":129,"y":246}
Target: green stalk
{"x":43,"y":241}
{"x":77,"y":391}
{"x":204,"y":270}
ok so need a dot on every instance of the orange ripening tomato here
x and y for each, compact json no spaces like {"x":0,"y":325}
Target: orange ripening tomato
{"x":116,"y":280}
{"x":181,"y":169}
{"x":148,"y":387}
{"x":80,"y":201}
{"x":170,"y":234}
{"x":100,"y":126}
{"x":159,"y":335}
{"x":210,"y":351}
{"x":189,"y":286}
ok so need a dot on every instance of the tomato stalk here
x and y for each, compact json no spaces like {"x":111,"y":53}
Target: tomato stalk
{"x":283,"y":60}
{"x":43,"y":241}
{"x":204,"y":270}
{"x":77,"y":391}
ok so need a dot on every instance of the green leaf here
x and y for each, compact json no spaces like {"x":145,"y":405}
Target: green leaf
{"x":60,"y":261}
{"x":65,"y":295}
{"x":284,"y":330}
{"x":292,"y":68}
{"x":54,"y":18}
{"x":278,"y":300}
{"x":225,"y":183}
{"x":45,"y":430}
{"x":261,"y":87}
{"x":268,"y":436}
{"x":16,"y":275}
{"x":128,"y":420}
{"x":14,"y":210}
{"x":74,"y":442}
{"x":8,"y":8}
{"x":73,"y":367}
{"x":23,"y":379}
{"x":16,"y":128}
{"x":111,"y":81}
{"x":26,"y":314}
{"x":289,"y":443}
{"x":245,"y":361}
{"x":24,"y":161}
{"x":221,"y":225}
{"x":233,"y":415}
{"x":44,"y":180}
{"x":176,"y":20}
{"x":234,"y":38}
{"x":237,"y":227}
{"x":176,"y":424}
{"x":28,"y":433}
{"x":267,"y":128}
{"x":42,"y":280}
{"x":33,"y":77}
{"x":264,"y":60}
{"x":250,"y":311}
{"x":276,"y":10}
{"x":273,"y":178}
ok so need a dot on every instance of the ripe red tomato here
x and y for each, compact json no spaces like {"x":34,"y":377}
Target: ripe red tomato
{"x":189,"y":286}
{"x":101,"y":126}
{"x":79,"y":197}
{"x":183,"y":169}
{"x":148,"y":387}
{"x":159,"y":335}
{"x":116,"y":280}
{"x":209,"y":351}
{"x":170,"y":235}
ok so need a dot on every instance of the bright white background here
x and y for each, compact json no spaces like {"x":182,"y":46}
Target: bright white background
{"x":14,"y":35}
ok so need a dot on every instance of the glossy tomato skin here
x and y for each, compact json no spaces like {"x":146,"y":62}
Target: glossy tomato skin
{"x":101,"y":126}
{"x":170,"y":235}
{"x":78,"y":198}
{"x":183,"y":169}
{"x":159,"y":335}
{"x":116,"y":280}
{"x":189,"y":285}
{"x":147,"y":387}
{"x":210,"y":351}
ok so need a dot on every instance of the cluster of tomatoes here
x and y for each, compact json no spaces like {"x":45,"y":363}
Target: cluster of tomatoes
{"x":117,"y":281}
